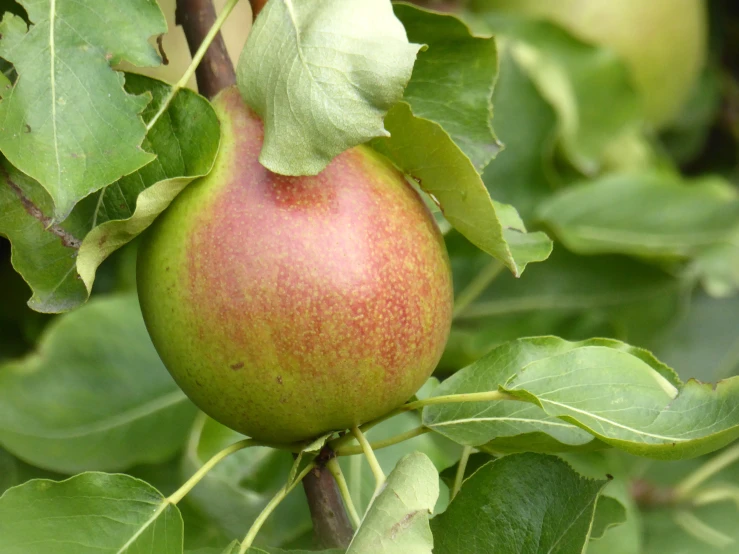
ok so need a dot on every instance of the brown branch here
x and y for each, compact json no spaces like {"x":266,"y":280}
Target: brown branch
{"x":649,"y":496}
{"x":256,"y":6}
{"x":68,"y":240}
{"x":216,"y":71}
{"x":331,"y":525}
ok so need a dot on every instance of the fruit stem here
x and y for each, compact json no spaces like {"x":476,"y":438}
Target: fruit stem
{"x":690,"y":523}
{"x":377,"y":445}
{"x":355,"y":476}
{"x":331,"y":525}
{"x":270,"y":507}
{"x":371,"y":458}
{"x":459,"y":477}
{"x":193,"y":15}
{"x":488,"y":396}
{"x":335,"y":469}
{"x":713,"y":466}
{"x":476,"y":287}
{"x":180,"y":493}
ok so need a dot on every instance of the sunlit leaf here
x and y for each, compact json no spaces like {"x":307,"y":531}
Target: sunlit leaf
{"x":622,"y":400}
{"x":517,"y":426}
{"x":359,"y":476}
{"x":185,"y":139}
{"x":68,"y":122}
{"x":452,"y":80}
{"x":59,"y":260}
{"x":397,"y":522}
{"x":423,"y":150}
{"x":322,"y":74}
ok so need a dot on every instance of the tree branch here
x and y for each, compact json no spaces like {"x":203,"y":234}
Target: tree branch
{"x":331,"y":525}
{"x":216,"y":71}
{"x":256,"y":6}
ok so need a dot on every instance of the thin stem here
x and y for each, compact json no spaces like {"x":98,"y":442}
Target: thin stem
{"x":706,"y":471}
{"x":196,"y":59}
{"x":461,"y":468}
{"x":371,"y":458}
{"x":335,"y":469}
{"x":488,"y":396}
{"x":355,"y":477}
{"x":270,"y":507}
{"x":180,"y":493}
{"x":377,"y":445}
{"x":97,"y":209}
{"x":721,"y":493}
{"x":476,"y":287}
{"x":689,"y":523}
{"x":457,"y":398}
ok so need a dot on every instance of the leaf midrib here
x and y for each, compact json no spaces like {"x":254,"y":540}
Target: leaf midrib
{"x":117,"y":420}
{"x":52,"y":64}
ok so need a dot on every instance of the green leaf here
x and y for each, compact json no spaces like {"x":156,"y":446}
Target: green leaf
{"x":322,"y":74}
{"x":185,"y":139}
{"x":15,"y":472}
{"x":67,"y":122}
{"x":566,"y":282}
{"x":705,"y":342}
{"x":8,"y":471}
{"x":91,"y":513}
{"x":424,"y":150}
{"x":44,"y":252}
{"x":643,"y":215}
{"x":616,"y":526}
{"x":59,"y":260}
{"x":5,"y":84}
{"x":234,"y":493}
{"x":359,"y":476}
{"x":232,"y":548}
{"x":94,"y":395}
{"x":452,"y":81}
{"x":522,"y":173}
{"x":398,"y":519}
{"x":574,"y":297}
{"x":625,"y":398}
{"x":718,"y":268}
{"x":522,"y":503}
{"x":508,"y":425}
{"x":589,"y":87}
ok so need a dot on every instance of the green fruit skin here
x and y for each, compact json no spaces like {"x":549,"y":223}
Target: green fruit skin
{"x":663,"y":42}
{"x":287,"y":307}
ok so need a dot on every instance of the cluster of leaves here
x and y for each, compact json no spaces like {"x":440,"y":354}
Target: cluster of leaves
{"x":642,"y":254}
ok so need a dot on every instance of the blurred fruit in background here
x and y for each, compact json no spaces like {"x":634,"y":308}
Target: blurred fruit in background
{"x":663,"y":42}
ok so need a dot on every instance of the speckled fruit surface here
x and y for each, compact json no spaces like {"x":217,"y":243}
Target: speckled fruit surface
{"x":286,"y":307}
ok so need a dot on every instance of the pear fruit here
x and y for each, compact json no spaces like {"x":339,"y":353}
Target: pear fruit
{"x":287,"y":307}
{"x":662,"y":42}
